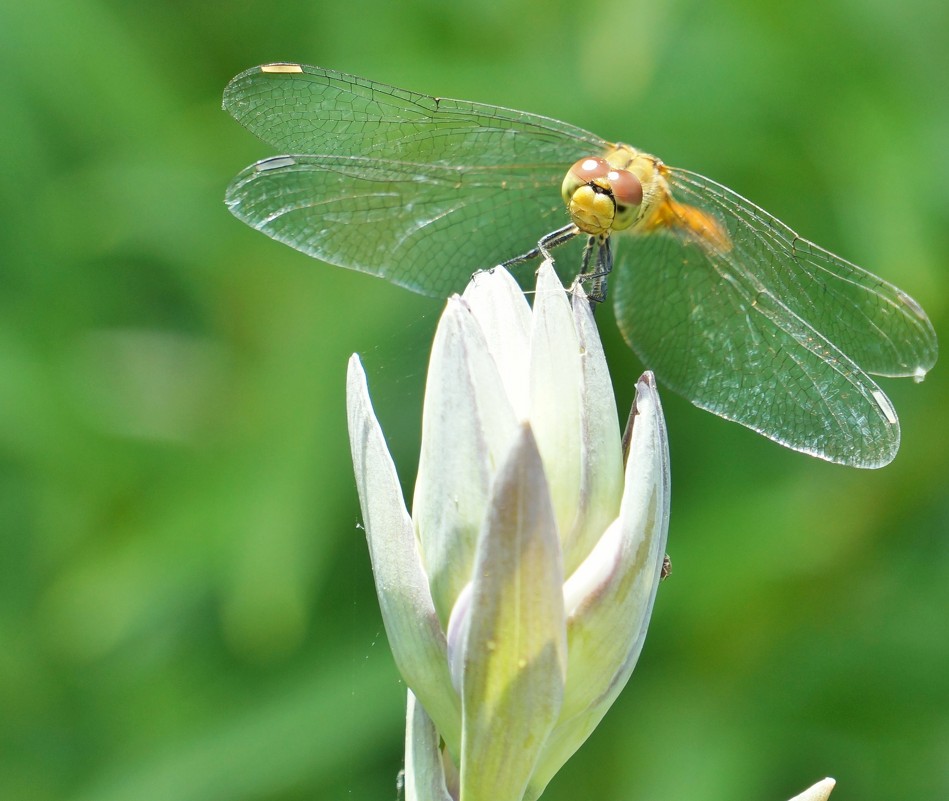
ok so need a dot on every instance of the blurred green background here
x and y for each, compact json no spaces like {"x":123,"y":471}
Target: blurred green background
{"x":186,"y":606}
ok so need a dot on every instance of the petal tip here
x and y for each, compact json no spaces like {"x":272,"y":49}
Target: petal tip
{"x":817,"y":792}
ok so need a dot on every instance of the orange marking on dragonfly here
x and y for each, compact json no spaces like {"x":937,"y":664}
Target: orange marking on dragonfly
{"x":700,"y":226}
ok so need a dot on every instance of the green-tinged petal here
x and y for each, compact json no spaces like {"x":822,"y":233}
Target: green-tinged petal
{"x":415,"y":635}
{"x":502,"y":311}
{"x":601,"y":455}
{"x":818,"y":792}
{"x":560,"y":746}
{"x":555,"y":399}
{"x":609,"y":598}
{"x":424,"y":769}
{"x":467,"y":425}
{"x":515,"y":649}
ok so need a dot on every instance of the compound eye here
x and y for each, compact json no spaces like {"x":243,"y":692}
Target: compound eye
{"x":590,"y":168}
{"x":626,"y":188}
{"x":582,"y":173}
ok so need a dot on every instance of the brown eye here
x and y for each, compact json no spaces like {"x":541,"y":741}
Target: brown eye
{"x":590,"y":168}
{"x":626,"y":187}
{"x":584,"y":172}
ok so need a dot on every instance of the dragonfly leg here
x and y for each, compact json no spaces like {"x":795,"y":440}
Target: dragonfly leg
{"x":585,"y":259}
{"x":603,"y":266}
{"x":545,"y":245}
{"x":556,"y":238}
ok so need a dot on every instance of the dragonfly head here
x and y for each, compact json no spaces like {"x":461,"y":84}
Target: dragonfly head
{"x":600,"y":197}
{"x":620,"y":190}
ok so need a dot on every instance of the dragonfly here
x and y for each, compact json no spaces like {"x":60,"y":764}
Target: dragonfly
{"x":727,"y":305}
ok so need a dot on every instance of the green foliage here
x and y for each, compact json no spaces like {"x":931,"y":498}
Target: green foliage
{"x":186,"y":610}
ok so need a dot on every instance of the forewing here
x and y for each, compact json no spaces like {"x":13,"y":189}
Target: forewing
{"x":425,"y":227}
{"x":877,"y":325}
{"x":318,"y":111}
{"x":718,"y":336}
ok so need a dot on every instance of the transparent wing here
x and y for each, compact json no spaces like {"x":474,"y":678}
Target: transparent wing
{"x":318,"y":111}
{"x":876,"y":324}
{"x":425,"y":227}
{"x":770,"y":332}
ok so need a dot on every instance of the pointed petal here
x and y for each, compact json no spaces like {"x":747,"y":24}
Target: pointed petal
{"x":424,"y":770}
{"x":415,"y":635}
{"x":504,"y":315}
{"x":818,"y":792}
{"x":609,"y":598}
{"x":555,"y":399}
{"x":601,"y":457}
{"x":515,"y":648}
{"x":467,"y":426}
